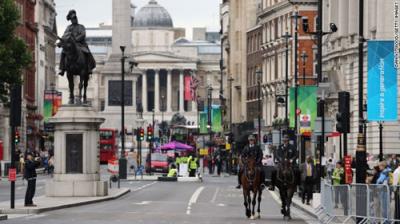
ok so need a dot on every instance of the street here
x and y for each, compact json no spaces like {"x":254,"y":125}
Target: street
{"x":214,"y":201}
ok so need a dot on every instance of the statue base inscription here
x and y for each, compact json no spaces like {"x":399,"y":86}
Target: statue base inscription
{"x":76,"y":154}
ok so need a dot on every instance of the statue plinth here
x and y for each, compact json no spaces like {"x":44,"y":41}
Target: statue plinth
{"x":76,"y":154}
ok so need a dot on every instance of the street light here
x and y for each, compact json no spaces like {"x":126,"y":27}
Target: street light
{"x":287,"y":36}
{"x":209,"y":99}
{"x":259,"y":80}
{"x":162,"y":116}
{"x":122,"y":159}
{"x":304,"y":57}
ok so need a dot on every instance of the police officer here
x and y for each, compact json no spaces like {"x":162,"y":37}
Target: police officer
{"x":285,"y":151}
{"x":251,"y":150}
{"x":30,"y":176}
{"x":192,"y":166}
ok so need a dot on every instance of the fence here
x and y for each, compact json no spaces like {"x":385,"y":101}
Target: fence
{"x":359,"y":203}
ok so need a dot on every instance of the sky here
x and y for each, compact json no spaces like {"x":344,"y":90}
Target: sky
{"x":184,"y":13}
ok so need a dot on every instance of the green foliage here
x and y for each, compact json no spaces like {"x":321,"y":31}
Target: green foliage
{"x":14,"y":54}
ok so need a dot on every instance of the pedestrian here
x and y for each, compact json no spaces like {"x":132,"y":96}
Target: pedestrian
{"x":307,"y":170}
{"x":30,"y":175}
{"x":394,"y":163}
{"x":193,"y":164}
{"x":396,"y":177}
{"x":337,"y":179}
{"x":384,"y":192}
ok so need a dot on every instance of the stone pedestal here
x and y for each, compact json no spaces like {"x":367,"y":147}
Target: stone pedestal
{"x":76,"y":154}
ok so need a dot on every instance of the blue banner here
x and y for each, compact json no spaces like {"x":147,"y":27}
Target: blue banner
{"x":382,"y":82}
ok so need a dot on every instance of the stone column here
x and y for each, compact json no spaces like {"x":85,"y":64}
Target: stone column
{"x":144,"y":91}
{"x":121,"y":16}
{"x":134,"y":94}
{"x":157,"y":90}
{"x":169,"y":90}
{"x":181,"y":90}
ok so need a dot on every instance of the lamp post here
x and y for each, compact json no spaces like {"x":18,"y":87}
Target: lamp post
{"x":286,"y":36}
{"x":230,"y":103}
{"x":162,"y":117}
{"x":209,"y":99}
{"x":259,"y":80}
{"x":122,"y":159}
{"x":304,"y":57}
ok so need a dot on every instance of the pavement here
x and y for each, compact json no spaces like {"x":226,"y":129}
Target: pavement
{"x":215,"y":200}
{"x":297,"y":203}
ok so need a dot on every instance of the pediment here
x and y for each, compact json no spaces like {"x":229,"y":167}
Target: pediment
{"x":161,"y":57}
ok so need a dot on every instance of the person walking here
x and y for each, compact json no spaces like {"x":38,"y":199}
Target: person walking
{"x":30,"y":175}
{"x":307,"y":179}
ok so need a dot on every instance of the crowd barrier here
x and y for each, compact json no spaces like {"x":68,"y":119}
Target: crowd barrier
{"x":359,"y":203}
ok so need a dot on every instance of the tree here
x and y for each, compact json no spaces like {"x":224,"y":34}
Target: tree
{"x":14,"y":54}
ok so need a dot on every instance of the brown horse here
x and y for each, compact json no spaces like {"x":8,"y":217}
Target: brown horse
{"x":286,"y":182}
{"x":251,"y":182}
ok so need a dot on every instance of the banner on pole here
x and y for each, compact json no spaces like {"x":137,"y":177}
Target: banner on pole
{"x":307,"y":103}
{"x":203,"y":123}
{"x":382,"y":82}
{"x":188,"y":94}
{"x":216,"y":120}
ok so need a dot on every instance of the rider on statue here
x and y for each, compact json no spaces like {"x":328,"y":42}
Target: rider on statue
{"x":78,"y":33}
{"x":251,"y":150}
{"x":285,"y":151}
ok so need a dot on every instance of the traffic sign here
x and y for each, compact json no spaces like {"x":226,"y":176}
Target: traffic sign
{"x":113,"y":166}
{"x":12,"y":174}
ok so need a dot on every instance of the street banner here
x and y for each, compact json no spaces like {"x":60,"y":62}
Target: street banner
{"x":203,"y":123}
{"x":216,"y":120}
{"x":48,"y":105}
{"x":57,"y":102}
{"x":188,"y":93}
{"x":307,"y":103}
{"x":382,"y":82}
{"x":347,"y":170}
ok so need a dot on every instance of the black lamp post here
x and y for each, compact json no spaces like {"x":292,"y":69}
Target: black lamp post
{"x":209,"y":99}
{"x":304,"y":57}
{"x":259,"y":80}
{"x":122,"y":159}
{"x":287,"y":36}
{"x":162,"y":117}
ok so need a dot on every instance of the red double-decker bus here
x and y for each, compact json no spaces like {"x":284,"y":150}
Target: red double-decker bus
{"x":108,"y":144}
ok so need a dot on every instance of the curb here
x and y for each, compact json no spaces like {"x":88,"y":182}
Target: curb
{"x":302,"y":208}
{"x":41,"y":210}
{"x":3,"y":217}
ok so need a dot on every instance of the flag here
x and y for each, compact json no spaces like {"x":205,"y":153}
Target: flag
{"x":187,"y":95}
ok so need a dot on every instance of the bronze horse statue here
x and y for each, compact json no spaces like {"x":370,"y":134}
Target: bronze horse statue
{"x":286,"y":183}
{"x":251,"y":182}
{"x":76,"y":64}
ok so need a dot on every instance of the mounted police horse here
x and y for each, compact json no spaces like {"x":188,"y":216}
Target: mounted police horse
{"x":76,"y":64}
{"x":286,"y":182}
{"x":251,"y":182}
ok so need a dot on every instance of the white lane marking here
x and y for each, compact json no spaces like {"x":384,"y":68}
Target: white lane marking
{"x":20,"y":188}
{"x":297,"y":212}
{"x":193,"y":199}
{"x":215,"y":195}
{"x":36,"y":216}
{"x":143,"y":203}
{"x":41,"y":187}
{"x":221,"y":205}
{"x":144,"y":186}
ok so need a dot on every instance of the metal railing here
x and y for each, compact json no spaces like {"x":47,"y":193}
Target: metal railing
{"x":359,"y":203}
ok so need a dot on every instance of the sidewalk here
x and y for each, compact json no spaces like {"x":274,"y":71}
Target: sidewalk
{"x":155,"y":178}
{"x":53,"y":203}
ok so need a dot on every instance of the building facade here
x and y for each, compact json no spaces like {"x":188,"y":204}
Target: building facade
{"x":340,"y":64}
{"x":166,"y":62}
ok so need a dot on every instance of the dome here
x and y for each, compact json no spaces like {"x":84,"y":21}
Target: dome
{"x":152,"y":15}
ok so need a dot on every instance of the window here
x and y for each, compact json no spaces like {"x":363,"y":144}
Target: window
{"x":21,"y":12}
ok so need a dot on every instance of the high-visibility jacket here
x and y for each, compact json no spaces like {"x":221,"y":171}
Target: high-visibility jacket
{"x":184,"y":159}
{"x":178,"y":160}
{"x":193,"y":164}
{"x":172,"y":172}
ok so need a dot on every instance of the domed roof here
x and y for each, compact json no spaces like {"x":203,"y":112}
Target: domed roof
{"x":152,"y":15}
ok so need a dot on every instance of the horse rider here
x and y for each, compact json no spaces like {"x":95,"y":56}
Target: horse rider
{"x":251,"y":150}
{"x":78,"y":34}
{"x":285,"y":151}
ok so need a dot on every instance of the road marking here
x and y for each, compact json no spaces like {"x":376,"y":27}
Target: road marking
{"x":20,"y":188}
{"x":215,"y":195}
{"x":193,"y":199}
{"x":296,"y":211}
{"x":144,"y":186}
{"x":41,"y":187}
{"x":143,"y":203}
{"x":36,"y":216}
{"x":221,"y":205}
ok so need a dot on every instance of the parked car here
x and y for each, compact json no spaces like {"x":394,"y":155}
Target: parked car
{"x":159,"y":163}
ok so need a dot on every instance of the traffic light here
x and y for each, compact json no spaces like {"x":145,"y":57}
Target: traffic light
{"x":343,"y":116}
{"x":149,"y":133}
{"x":141,"y":134}
{"x":17,"y":137}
